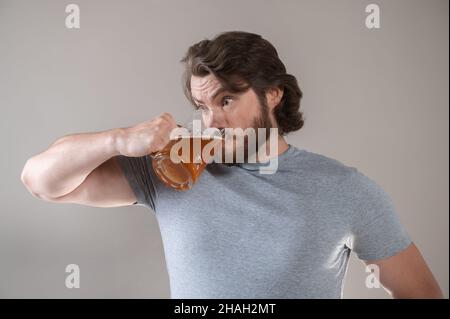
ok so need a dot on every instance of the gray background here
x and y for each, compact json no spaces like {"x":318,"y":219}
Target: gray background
{"x":374,"y":99}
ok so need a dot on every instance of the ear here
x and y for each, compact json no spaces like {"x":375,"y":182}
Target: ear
{"x":273,"y":97}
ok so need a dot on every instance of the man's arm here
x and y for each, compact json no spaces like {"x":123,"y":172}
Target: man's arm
{"x":105,"y":186}
{"x":82,"y":168}
{"x":406,"y":275}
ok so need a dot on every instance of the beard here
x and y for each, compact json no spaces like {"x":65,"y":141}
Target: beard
{"x":262,"y":120}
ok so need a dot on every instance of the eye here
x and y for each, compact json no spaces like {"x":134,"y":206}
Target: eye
{"x":227,"y":100}
{"x":201,"y":107}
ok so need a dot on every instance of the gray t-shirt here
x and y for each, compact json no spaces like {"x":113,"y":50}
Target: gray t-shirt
{"x":241,"y":234}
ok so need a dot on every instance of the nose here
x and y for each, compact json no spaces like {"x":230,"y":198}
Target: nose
{"x":215,"y":118}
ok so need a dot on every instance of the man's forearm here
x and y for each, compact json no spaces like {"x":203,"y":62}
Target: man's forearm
{"x":66,"y":163}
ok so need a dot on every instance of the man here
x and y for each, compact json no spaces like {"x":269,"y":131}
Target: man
{"x":238,"y":233}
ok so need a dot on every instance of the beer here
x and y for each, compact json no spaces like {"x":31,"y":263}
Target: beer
{"x":181,"y":167}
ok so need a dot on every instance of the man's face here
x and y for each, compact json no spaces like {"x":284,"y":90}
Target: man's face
{"x":222,"y":109}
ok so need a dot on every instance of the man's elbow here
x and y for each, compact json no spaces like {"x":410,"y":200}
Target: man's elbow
{"x":33,"y":183}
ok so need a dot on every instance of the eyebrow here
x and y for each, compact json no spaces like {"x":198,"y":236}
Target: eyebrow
{"x":218,"y":92}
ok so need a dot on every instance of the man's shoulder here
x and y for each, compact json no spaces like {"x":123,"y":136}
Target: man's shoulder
{"x":320,"y":164}
{"x":350,"y":182}
{"x":348,"y":179}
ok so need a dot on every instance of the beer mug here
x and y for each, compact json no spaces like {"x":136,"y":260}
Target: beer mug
{"x":181,"y":171}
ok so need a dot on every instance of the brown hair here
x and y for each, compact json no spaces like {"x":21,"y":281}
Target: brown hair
{"x":242,"y":60}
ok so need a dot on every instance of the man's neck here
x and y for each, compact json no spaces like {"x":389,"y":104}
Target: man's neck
{"x":281,"y":148}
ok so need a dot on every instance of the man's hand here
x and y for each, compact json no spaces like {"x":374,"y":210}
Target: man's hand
{"x":146,"y":137}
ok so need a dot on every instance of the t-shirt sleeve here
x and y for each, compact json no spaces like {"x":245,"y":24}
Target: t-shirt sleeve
{"x":138,"y":172}
{"x":377,"y":232}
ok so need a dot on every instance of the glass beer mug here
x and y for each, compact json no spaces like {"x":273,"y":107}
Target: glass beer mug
{"x":181,"y":171}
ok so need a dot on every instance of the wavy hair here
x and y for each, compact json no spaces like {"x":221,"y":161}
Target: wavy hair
{"x":242,"y":60}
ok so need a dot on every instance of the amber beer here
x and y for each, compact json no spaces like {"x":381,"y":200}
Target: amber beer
{"x":184,"y":174}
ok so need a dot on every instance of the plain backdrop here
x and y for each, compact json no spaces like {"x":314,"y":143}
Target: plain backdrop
{"x":375,"y":99}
